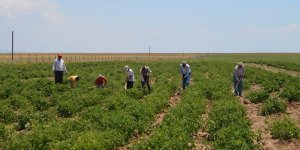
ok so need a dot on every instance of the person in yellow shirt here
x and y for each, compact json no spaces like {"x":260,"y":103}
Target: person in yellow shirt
{"x":73,"y":80}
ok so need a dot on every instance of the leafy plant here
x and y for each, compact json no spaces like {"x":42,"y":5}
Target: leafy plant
{"x":274,"y":105}
{"x":2,"y":131}
{"x":18,"y":101}
{"x":40,"y":103}
{"x":291,"y":92}
{"x":285,"y":129}
{"x":258,"y":97}
{"x":6,"y":114}
{"x":67,"y":108}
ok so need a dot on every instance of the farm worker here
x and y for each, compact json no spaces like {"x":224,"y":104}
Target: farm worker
{"x":238,"y":75}
{"x":130,"y":77}
{"x":185,"y":71}
{"x":145,"y":72}
{"x":101,"y":81}
{"x":58,"y":69}
{"x":73,"y":80}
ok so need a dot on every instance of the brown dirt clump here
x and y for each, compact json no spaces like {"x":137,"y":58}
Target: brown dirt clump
{"x":255,"y":87}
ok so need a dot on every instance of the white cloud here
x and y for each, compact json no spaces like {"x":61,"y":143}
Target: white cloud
{"x":262,"y":12}
{"x":44,"y":8}
{"x":291,"y":27}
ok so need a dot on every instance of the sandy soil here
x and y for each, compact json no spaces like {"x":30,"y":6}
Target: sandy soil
{"x":201,"y":135}
{"x":260,"y":124}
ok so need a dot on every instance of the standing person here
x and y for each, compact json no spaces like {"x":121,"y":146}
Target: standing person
{"x":58,"y":69}
{"x":101,"y":81}
{"x":145,"y":72}
{"x":185,"y":71}
{"x":130,"y":77}
{"x":238,"y":76}
{"x":73,"y":80}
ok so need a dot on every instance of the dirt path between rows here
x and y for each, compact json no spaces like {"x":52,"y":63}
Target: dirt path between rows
{"x":293,"y":111}
{"x":201,"y":136}
{"x":274,"y":69}
{"x":260,"y":126}
{"x":159,"y":118}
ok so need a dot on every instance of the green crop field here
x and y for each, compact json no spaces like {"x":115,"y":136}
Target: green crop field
{"x":37,"y":114}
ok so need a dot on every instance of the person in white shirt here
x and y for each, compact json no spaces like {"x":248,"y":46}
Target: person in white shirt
{"x":238,"y":76}
{"x":145,"y":72}
{"x":185,"y":71}
{"x":130,"y":77}
{"x":58,"y":69}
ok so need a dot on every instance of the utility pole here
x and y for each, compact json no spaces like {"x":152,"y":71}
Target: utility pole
{"x":12,"y":45}
{"x":149,"y":52}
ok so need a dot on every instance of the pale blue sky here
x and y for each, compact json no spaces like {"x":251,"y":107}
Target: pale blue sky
{"x":165,"y":25}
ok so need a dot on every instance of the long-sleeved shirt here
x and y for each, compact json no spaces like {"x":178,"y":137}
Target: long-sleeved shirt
{"x":101,"y":80}
{"x":184,"y":71}
{"x":73,"y":81}
{"x":145,"y":73}
{"x":130,"y":75}
{"x":59,"y":65}
{"x":238,"y":73}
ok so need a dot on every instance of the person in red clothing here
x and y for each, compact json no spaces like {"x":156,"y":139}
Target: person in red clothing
{"x":101,"y":81}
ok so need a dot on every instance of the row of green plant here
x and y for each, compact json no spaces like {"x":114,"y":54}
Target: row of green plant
{"x":58,"y":117}
{"x":181,"y":121}
{"x":283,"y":128}
{"x":269,"y":105}
{"x":285,"y":85}
{"x":282,"y":65}
{"x":289,"y":90}
{"x":231,"y":130}
{"x":34,"y":104}
{"x":124,"y":116}
{"x":228,"y":125}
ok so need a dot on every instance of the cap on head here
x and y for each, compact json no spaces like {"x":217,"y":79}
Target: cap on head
{"x":59,"y":55}
{"x":126,"y":67}
{"x":240,"y":64}
{"x":184,"y":62}
{"x":100,"y":75}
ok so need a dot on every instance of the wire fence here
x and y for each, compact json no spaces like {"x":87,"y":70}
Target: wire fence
{"x":71,"y":58}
